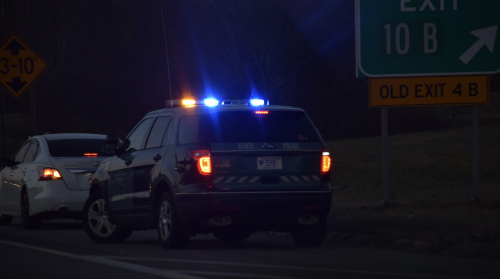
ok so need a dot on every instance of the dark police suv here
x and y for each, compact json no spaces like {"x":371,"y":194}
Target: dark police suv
{"x":228,"y":169}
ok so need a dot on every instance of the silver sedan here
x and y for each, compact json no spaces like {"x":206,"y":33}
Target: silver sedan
{"x":49,"y":177}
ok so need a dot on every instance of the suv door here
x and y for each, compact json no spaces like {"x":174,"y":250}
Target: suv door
{"x":147,"y":166}
{"x":120,"y":186}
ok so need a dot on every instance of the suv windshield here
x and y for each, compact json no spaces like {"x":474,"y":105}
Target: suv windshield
{"x":247,"y":126}
{"x":75,"y":147}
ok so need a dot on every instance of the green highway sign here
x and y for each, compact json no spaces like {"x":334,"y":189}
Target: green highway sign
{"x":427,"y":37}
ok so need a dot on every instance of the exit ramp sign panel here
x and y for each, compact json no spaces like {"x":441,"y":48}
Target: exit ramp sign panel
{"x":427,"y":37}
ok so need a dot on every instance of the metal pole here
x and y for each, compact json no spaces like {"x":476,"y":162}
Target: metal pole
{"x":385,"y":158}
{"x":475,"y":154}
{"x":33,"y":112}
{"x":3,"y":123}
{"x":168,"y":62}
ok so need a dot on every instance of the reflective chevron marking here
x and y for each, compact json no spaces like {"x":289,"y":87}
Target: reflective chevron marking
{"x":230,"y":179}
{"x":285,"y":178}
{"x":242,"y":179}
{"x":218,"y":179}
{"x":255,"y":178}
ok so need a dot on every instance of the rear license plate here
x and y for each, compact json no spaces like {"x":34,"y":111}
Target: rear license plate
{"x":269,"y":163}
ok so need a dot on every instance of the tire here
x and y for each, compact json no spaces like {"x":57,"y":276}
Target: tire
{"x":97,"y":224}
{"x":5,"y":220}
{"x":28,"y":222}
{"x":232,"y":234}
{"x":311,"y":235}
{"x":172,"y":232}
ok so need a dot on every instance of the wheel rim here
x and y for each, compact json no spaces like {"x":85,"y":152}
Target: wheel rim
{"x":25,"y":208}
{"x":99,"y":219}
{"x":165,"y":220}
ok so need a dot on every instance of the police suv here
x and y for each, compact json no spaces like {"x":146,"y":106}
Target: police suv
{"x":229,"y":169}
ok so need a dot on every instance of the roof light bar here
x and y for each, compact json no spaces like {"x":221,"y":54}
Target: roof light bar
{"x":211,"y":102}
{"x":256,"y":102}
{"x":188,"y":102}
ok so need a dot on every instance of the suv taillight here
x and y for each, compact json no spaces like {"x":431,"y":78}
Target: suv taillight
{"x":204,"y":163}
{"x":326,"y":162}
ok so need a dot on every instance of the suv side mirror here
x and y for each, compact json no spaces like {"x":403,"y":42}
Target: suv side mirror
{"x":111,"y":145}
{"x":6,"y":162}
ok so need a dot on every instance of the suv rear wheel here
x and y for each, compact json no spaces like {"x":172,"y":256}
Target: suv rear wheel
{"x":97,"y":224}
{"x":171,"y":231}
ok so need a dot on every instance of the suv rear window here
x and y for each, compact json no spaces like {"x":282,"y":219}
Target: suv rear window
{"x":247,"y":126}
{"x":75,"y":147}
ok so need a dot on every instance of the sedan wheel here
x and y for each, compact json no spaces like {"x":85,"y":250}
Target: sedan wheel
{"x":29,"y":222}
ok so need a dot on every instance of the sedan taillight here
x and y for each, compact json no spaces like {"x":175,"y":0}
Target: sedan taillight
{"x":48,"y":174}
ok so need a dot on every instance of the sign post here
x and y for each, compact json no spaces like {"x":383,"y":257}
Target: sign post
{"x":20,"y":66}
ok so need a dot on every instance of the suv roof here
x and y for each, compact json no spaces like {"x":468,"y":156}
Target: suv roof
{"x":201,"y":109}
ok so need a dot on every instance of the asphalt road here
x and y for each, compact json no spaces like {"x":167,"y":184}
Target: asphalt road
{"x":61,"y":249}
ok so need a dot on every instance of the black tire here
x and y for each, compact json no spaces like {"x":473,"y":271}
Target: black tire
{"x":310,"y":235}
{"x":28,"y":222}
{"x":232,"y":234}
{"x":172,"y":233}
{"x":97,"y":224}
{"x":5,"y":220}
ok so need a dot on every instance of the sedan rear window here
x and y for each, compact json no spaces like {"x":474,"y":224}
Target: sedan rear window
{"x":247,"y":126}
{"x":75,"y":147}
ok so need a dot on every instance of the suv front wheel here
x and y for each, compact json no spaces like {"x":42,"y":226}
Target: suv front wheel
{"x":171,"y":231}
{"x":97,"y":224}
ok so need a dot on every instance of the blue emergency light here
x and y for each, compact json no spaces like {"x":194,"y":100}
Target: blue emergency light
{"x":211,"y":102}
{"x":256,"y":102}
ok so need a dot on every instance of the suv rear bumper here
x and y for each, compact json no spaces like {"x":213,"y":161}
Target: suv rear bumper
{"x":264,"y":210}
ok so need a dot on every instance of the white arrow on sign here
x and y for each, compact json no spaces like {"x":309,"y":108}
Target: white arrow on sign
{"x":486,"y":37}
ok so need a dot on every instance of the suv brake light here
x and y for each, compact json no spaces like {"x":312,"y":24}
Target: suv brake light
{"x":204,"y":163}
{"x":326,"y":162}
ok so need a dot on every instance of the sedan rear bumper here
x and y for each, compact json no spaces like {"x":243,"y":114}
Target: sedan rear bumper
{"x":54,"y":196}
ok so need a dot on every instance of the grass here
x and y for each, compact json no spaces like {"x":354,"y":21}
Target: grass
{"x":430,"y":182}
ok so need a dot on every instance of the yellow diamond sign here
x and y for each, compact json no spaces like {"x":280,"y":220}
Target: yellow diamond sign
{"x":20,"y":66}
